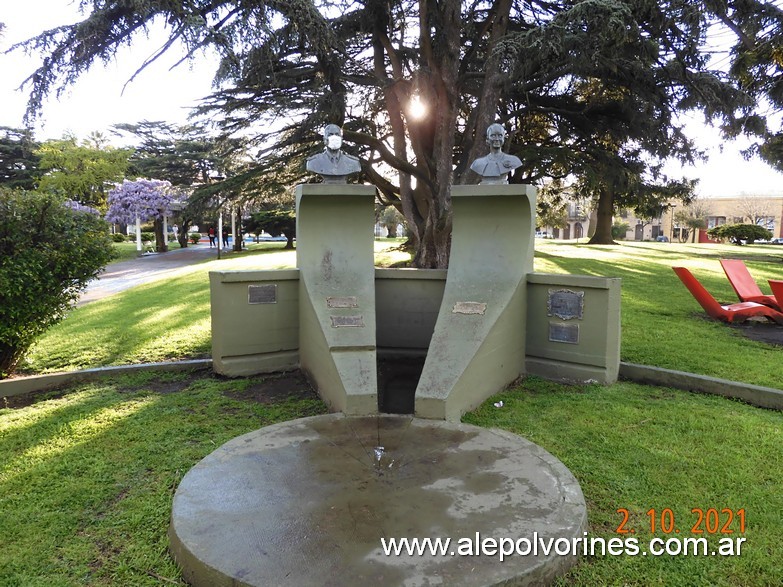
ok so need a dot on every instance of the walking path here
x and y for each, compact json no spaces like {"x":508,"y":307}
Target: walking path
{"x":123,"y":275}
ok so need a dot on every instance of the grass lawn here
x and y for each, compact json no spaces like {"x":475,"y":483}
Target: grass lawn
{"x":87,"y":476}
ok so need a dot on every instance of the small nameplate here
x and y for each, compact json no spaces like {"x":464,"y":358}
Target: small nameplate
{"x":262,"y":294}
{"x":346,"y":302}
{"x":347,"y":321}
{"x":565,"y":304}
{"x":567,"y":333}
{"x":469,"y":308}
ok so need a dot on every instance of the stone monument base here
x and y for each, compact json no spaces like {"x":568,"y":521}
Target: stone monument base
{"x":309,"y":502}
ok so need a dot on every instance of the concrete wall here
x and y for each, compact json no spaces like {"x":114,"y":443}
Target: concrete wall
{"x":407,"y":302}
{"x":255,"y":321}
{"x":570,"y":347}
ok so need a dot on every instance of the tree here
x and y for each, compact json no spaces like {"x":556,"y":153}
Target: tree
{"x":755,"y":209}
{"x":737,"y":233}
{"x":209,"y":168}
{"x":79,"y":171}
{"x":49,"y":251}
{"x":141,"y":200}
{"x":390,"y":218}
{"x":274,"y":221}
{"x":590,"y":88}
{"x":19,"y":164}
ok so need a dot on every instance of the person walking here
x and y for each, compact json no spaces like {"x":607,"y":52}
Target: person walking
{"x":211,"y":235}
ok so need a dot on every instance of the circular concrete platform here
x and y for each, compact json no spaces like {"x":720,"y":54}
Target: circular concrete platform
{"x":308,"y":502}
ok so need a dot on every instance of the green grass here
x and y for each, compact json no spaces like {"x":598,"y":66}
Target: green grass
{"x":639,"y":447}
{"x":87,"y":479}
{"x":127,"y":251}
{"x":662,"y":325}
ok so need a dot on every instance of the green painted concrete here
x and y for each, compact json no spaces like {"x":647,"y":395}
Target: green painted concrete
{"x":478,"y":345}
{"x":596,"y":353}
{"x":248,"y":337}
{"x":334,"y":252}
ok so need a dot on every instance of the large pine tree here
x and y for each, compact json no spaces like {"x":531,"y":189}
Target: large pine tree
{"x":589,"y":88}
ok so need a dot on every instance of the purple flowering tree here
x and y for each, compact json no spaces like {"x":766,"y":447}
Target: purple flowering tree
{"x":140,"y":200}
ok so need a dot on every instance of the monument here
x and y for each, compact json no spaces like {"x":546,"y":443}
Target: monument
{"x":326,"y":490}
{"x":332,"y":164}
{"x":495,"y":166}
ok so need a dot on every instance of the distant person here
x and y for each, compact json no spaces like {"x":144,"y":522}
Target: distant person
{"x":211,"y":235}
{"x":332,"y":164}
{"x":225,"y":239}
{"x":495,"y":167}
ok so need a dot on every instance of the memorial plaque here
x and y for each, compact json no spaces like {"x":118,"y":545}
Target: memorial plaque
{"x":346,"y":302}
{"x":567,"y":333}
{"x":566,"y":304}
{"x":469,"y":308}
{"x":347,"y":321}
{"x":262,"y":294}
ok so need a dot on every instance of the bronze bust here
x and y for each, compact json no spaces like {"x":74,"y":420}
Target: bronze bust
{"x":332,"y":164}
{"x":495,"y":167}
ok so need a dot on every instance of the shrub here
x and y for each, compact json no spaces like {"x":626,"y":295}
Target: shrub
{"x":118,"y":237}
{"x":147,"y":237}
{"x":195,"y":237}
{"x":736,"y":233}
{"x":49,"y":251}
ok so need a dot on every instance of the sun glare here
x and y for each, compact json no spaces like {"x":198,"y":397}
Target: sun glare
{"x":416,"y":108}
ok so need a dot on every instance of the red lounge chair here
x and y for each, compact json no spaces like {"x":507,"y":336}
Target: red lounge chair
{"x":744,"y":284}
{"x":730,"y":313}
{"x":777,"y":289}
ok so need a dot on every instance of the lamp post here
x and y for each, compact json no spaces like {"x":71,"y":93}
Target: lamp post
{"x":220,"y":217}
{"x":671,"y":211}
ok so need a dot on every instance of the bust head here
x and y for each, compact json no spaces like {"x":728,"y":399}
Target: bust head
{"x":333,"y":137}
{"x":496,"y":136}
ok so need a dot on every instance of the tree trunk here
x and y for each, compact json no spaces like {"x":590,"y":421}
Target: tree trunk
{"x":238,"y":232}
{"x":160,"y":238}
{"x":183,"y":237}
{"x":9,"y":358}
{"x":604,"y":214}
{"x":290,"y":242}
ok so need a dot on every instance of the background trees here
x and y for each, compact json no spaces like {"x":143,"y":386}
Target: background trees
{"x":18,"y":159}
{"x":81,"y":171}
{"x":590,"y":89}
{"x":138,"y":201}
{"x":49,"y":251}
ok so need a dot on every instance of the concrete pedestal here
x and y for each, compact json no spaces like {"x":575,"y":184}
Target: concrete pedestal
{"x":307,"y":503}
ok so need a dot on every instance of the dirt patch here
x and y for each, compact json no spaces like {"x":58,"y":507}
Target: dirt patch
{"x":766,"y":332}
{"x":276,"y":387}
{"x":28,"y":399}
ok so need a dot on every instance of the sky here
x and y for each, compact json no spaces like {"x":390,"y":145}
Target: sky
{"x":98,"y":101}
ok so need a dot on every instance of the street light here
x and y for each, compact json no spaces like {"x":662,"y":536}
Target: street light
{"x":220,"y":217}
{"x":671,"y":210}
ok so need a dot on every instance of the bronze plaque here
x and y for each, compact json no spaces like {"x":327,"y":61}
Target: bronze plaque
{"x":262,"y":294}
{"x":469,"y":308}
{"x":566,"y":304}
{"x":347,"y":321}
{"x":567,"y":333}
{"x":346,"y":302}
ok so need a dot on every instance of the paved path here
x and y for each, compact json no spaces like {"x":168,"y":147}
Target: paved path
{"x":145,"y":269}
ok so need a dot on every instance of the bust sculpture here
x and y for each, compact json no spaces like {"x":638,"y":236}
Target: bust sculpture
{"x":495,"y":167}
{"x":332,"y":164}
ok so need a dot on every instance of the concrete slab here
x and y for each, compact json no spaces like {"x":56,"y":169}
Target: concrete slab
{"x":307,"y":503}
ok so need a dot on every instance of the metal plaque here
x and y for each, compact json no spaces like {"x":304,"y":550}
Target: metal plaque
{"x":347,"y":321}
{"x":469,"y":308}
{"x":568,"y":333}
{"x":346,"y":302}
{"x":262,"y":294}
{"x":566,"y":304}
